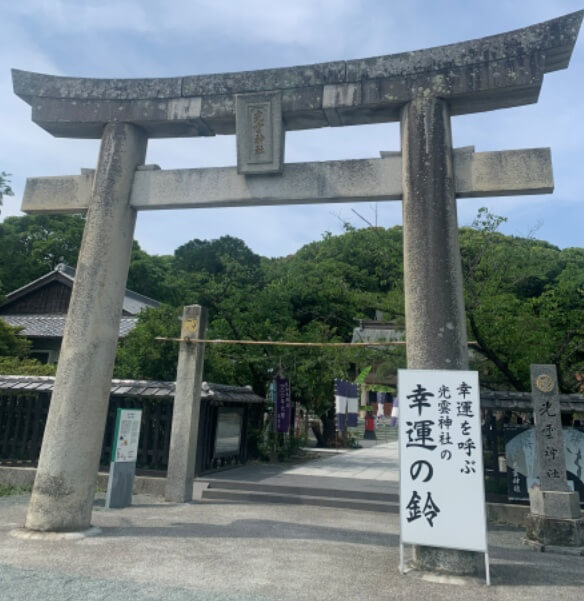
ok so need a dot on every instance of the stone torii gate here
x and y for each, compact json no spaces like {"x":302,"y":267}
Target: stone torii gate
{"x":421,"y":89}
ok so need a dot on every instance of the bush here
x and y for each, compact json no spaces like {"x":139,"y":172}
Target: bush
{"x":25,"y":367}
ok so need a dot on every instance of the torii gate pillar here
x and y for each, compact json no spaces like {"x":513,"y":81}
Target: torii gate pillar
{"x":434,"y":302}
{"x":433,"y":287}
{"x":64,"y":487}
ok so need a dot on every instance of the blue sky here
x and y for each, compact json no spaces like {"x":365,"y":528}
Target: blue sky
{"x":155,"y":38}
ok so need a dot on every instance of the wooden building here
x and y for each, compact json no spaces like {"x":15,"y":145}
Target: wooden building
{"x":40,"y":308}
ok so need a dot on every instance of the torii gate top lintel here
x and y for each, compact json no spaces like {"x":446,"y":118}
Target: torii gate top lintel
{"x":489,"y":73}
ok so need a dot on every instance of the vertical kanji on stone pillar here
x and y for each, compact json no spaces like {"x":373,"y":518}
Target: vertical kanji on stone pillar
{"x":434,"y":302}
{"x":62,"y":496}
{"x":555,"y":517}
{"x":549,"y":436}
{"x":187,"y":406}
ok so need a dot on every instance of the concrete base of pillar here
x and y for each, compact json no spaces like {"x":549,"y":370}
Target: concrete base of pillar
{"x":564,"y":532}
{"x":450,"y":561}
{"x":555,"y":504}
{"x":555,"y":519}
{"x":26,"y":534}
{"x":560,"y":549}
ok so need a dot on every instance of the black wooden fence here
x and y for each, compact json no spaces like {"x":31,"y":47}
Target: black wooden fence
{"x":22,"y":423}
{"x":24,"y":405}
{"x":23,"y":417}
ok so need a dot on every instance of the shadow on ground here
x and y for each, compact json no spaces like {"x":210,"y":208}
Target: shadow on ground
{"x":255,"y":529}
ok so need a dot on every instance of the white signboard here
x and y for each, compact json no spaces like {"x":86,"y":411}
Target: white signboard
{"x":442,"y":499}
{"x":127,"y":435}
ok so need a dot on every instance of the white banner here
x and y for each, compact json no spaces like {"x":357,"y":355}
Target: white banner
{"x":344,"y":404}
{"x":442,"y":499}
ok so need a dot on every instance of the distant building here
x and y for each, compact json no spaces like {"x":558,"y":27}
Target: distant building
{"x":383,"y":371}
{"x":40,"y":308}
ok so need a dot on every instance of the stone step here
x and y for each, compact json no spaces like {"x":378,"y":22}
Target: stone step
{"x":287,"y":489}
{"x":249,"y":496}
{"x":383,"y":434}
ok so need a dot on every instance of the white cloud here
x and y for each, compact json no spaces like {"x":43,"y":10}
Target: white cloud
{"x":275,"y":21}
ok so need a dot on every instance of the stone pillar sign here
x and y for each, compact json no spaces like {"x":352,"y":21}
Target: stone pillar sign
{"x":548,"y":428}
{"x":555,"y":517}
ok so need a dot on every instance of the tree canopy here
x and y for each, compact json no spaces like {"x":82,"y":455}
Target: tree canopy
{"x":524,"y":302}
{"x":32,"y":245}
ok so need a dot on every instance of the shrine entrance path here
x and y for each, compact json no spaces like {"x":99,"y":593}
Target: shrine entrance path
{"x":366,"y":478}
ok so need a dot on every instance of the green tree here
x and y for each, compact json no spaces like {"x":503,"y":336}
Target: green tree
{"x":316,"y":296}
{"x":5,"y":189}
{"x":313,"y":296}
{"x":524,"y":301}
{"x":153,"y":276}
{"x":140,"y":356}
{"x":226,"y":277}
{"x":14,"y":350}
{"x":32,"y":245}
{"x":11,"y":344}
{"x":524,"y":304}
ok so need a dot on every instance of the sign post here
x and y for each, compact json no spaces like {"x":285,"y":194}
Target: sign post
{"x":124,"y":455}
{"x":442,"y":498}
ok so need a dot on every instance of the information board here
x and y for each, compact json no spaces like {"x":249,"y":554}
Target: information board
{"x":442,"y":499}
{"x":127,"y":435}
{"x":124,"y":454}
{"x":228,"y":433}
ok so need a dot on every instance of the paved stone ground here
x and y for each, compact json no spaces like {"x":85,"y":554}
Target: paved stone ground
{"x":208,"y":551}
{"x":258,"y":552}
{"x":370,"y":469}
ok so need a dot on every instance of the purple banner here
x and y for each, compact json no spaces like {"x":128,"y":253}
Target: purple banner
{"x":283,"y":404}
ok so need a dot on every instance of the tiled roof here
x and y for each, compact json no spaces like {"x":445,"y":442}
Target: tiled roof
{"x":134,"y":302}
{"x":223,"y":392}
{"x":523,"y":401}
{"x":139,"y":388}
{"x":53,"y":326}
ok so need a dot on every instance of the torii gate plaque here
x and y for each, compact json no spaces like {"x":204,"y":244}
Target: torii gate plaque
{"x":421,"y":89}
